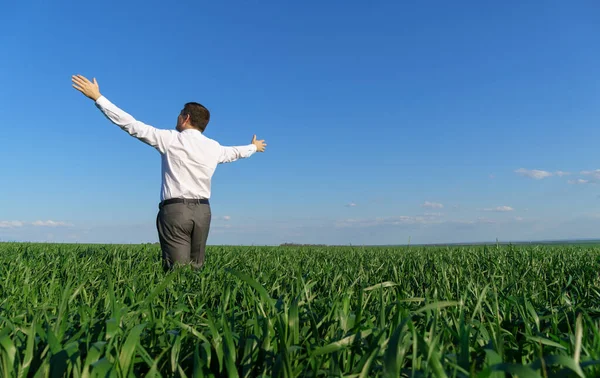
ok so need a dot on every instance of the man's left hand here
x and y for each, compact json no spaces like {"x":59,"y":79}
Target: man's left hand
{"x":88,"y":88}
{"x":260,"y":144}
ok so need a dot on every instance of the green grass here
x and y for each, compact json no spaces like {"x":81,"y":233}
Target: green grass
{"x":483,"y":311}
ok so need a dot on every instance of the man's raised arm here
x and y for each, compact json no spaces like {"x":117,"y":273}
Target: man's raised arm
{"x":152,"y":136}
{"x":230,"y":154}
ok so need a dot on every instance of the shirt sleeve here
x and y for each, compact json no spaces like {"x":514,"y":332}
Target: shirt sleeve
{"x":157,"y":138}
{"x":231,"y":154}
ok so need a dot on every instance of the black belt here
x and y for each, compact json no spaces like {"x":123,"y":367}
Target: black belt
{"x":203,"y":201}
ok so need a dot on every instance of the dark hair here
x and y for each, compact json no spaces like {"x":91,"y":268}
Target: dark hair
{"x":199,"y":115}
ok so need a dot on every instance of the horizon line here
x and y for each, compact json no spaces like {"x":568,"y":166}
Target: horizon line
{"x":292,"y":244}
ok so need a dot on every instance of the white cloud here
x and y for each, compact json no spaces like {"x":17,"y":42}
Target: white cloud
{"x":578,"y":182}
{"x":50,"y":223}
{"x":39,"y":223}
{"x":518,"y":219}
{"x":404,"y":220}
{"x":500,"y":209}
{"x":351,"y":204}
{"x":388,"y":221}
{"x":432,"y":205}
{"x":592,"y":175}
{"x":595,"y":173}
{"x":479,"y":220}
{"x":533,"y":173}
{"x":11,"y":224}
{"x":226,"y":217}
{"x":561,"y":173}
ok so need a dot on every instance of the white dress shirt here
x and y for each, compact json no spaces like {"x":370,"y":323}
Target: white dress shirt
{"x":189,"y":158}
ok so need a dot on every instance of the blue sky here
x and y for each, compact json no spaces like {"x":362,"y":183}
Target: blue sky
{"x":440,"y":122}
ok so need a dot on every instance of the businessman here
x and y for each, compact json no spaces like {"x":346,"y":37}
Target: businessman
{"x":189,"y":160}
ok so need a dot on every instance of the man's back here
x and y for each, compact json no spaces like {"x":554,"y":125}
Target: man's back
{"x":190,"y":160}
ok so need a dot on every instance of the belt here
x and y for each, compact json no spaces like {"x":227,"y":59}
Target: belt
{"x":203,"y":201}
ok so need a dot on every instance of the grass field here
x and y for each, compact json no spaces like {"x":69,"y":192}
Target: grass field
{"x":98,"y":311}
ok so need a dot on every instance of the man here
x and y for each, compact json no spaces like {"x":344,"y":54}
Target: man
{"x":189,"y":160}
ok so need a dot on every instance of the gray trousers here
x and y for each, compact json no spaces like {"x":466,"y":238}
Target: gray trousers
{"x":183,"y":231}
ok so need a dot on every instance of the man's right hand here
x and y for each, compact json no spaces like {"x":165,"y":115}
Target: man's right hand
{"x":260,"y":144}
{"x":88,"y":88}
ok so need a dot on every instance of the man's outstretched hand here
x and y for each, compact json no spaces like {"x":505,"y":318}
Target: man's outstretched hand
{"x":260,"y":144}
{"x":86,"y":87}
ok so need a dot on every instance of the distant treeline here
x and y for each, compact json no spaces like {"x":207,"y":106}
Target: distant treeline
{"x":301,"y":245}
